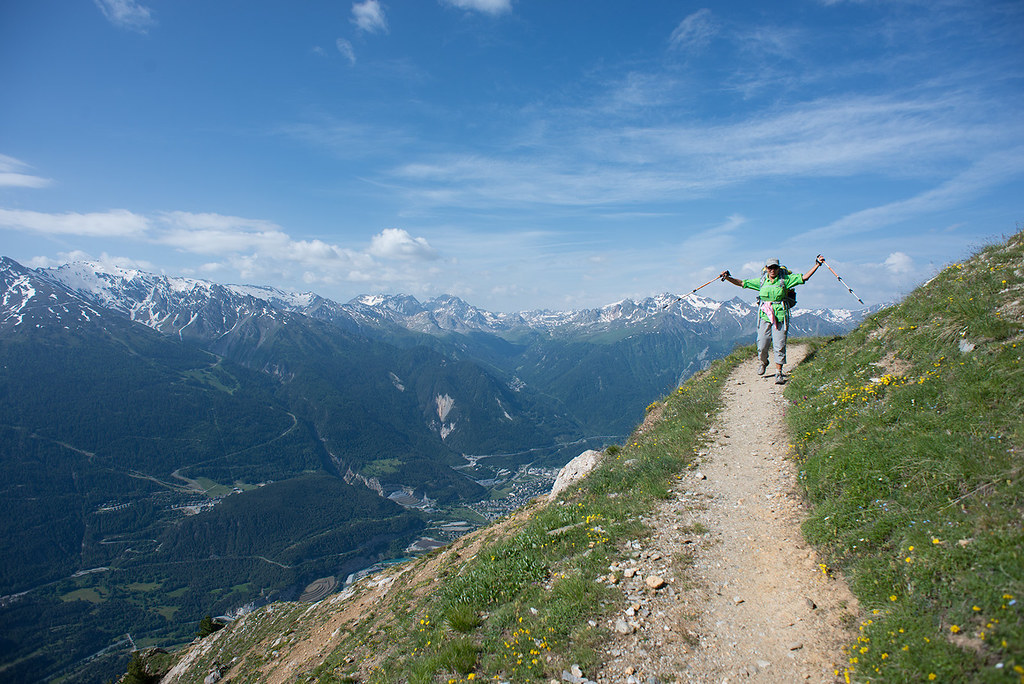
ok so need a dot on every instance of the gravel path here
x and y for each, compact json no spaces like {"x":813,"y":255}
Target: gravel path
{"x":744,"y":598}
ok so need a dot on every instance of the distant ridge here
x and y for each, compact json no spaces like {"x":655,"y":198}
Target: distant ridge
{"x":139,"y":295}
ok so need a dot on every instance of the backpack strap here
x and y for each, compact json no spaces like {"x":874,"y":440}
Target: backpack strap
{"x":786,"y":291}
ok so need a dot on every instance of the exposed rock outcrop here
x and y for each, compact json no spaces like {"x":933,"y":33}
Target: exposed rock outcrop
{"x":574,"y":471}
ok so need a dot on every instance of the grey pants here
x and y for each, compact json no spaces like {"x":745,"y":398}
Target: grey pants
{"x":776,"y":334}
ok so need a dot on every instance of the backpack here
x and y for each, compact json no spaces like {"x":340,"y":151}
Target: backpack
{"x":789,"y":294}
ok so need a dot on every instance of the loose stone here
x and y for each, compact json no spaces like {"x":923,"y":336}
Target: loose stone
{"x":655,"y":582}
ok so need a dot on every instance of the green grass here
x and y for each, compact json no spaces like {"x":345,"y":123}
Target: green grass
{"x":520,"y":609}
{"x":167,"y":612}
{"x":910,"y":442}
{"x":89,"y":594}
{"x":385,"y":466}
{"x":143,"y":587}
{"x":213,"y":489}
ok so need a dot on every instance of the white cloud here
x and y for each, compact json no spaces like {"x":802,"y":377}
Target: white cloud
{"x":987,"y":173}
{"x":12,"y":174}
{"x":583,"y":161}
{"x":259,"y":249}
{"x":369,"y":16}
{"x":750,"y":267}
{"x":256,"y":249}
{"x":485,"y":6}
{"x":396,"y":243}
{"x":114,"y":223}
{"x":218,"y":234}
{"x":345,"y":48}
{"x":899,"y":262}
{"x":209,"y":221}
{"x":695,"y":31}
{"x":127,"y":14}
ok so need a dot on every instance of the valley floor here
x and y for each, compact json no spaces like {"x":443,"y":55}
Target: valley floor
{"x":745,"y":598}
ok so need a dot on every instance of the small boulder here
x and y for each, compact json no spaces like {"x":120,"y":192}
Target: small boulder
{"x":574,"y":471}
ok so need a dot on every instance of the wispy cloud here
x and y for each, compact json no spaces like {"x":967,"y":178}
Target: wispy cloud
{"x":695,"y":31}
{"x":346,"y":49}
{"x":369,"y":16}
{"x":127,"y":14}
{"x":987,"y":173}
{"x":771,"y":41}
{"x":252,"y":247}
{"x":218,"y":234}
{"x":485,"y":6}
{"x":598,"y":164}
{"x":348,"y":139}
{"x":115,"y":223}
{"x":13,"y":173}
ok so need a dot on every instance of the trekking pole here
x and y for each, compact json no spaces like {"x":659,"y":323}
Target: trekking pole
{"x":678,"y":299}
{"x":842,"y":281}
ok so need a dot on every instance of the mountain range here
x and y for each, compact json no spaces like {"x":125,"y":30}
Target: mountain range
{"x":561,"y":355}
{"x":172,"y":447}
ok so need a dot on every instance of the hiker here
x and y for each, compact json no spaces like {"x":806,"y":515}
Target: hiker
{"x":774,"y":294}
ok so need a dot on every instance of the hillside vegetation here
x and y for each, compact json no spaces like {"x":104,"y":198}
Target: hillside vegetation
{"x":515,"y":600}
{"x":911,"y":437}
{"x":908,"y":433}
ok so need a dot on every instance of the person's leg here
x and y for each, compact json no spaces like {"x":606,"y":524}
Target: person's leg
{"x":780,"y":333}
{"x":764,"y":338}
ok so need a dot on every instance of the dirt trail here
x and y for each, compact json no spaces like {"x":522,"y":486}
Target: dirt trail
{"x":745,"y":598}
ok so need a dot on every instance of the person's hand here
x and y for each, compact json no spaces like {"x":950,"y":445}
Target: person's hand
{"x":725,"y":274}
{"x":820,"y":259}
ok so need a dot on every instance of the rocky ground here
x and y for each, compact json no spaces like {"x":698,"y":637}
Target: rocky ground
{"x":726,"y":590}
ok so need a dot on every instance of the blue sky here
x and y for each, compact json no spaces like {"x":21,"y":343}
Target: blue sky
{"x":520,"y":154}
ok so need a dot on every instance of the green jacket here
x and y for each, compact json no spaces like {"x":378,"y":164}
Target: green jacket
{"x":774,"y":291}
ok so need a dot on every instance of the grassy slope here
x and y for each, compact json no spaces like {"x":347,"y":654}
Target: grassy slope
{"x":911,"y":444}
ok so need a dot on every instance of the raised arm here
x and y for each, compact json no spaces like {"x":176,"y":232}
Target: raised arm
{"x":818,"y":261}
{"x":727,"y":276}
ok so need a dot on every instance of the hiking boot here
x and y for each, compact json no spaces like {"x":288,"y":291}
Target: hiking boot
{"x":779,"y":380}
{"x":760,"y":371}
